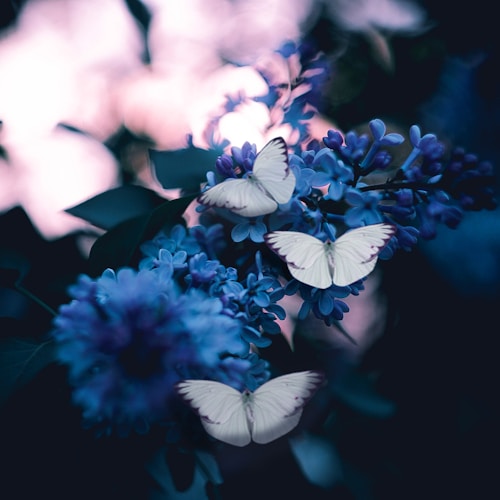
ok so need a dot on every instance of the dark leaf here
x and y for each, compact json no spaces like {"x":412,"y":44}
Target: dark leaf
{"x":12,"y":304}
{"x":183,"y":168}
{"x":119,"y":246}
{"x":14,"y":266}
{"x":357,"y":391}
{"x":181,"y":465}
{"x":317,"y":458}
{"x":208,"y":464}
{"x":115,"y":206}
{"x":165,"y":487}
{"x":20,"y":361}
{"x":9,"y":277}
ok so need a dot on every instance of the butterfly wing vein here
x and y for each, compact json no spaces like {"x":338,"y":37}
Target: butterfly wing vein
{"x":220,"y":408}
{"x":271,"y":182}
{"x":349,"y":258}
{"x":272,"y":411}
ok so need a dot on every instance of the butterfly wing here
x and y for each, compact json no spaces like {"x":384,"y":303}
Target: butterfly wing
{"x":242,"y":196}
{"x":272,"y":172}
{"x":220,"y":407}
{"x":355,"y":253}
{"x":304,"y":254}
{"x":270,"y":183}
{"x":276,"y":407}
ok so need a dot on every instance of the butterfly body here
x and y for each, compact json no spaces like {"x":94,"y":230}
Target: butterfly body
{"x":238,"y":418}
{"x":330,"y":255}
{"x":270,"y":183}
{"x":321,"y":264}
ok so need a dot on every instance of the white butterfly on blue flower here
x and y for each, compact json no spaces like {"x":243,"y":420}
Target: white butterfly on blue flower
{"x":270,"y":183}
{"x":238,"y":418}
{"x":320,"y":264}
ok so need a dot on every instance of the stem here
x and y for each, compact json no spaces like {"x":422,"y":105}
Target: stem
{"x":397,"y":185}
{"x":411,"y":158}
{"x":370,"y":155}
{"x":35,"y":299}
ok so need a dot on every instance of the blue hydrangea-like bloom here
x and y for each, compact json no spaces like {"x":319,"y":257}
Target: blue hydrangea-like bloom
{"x":304,"y":174}
{"x":165,"y":264}
{"x":378,"y":130}
{"x":211,"y":239}
{"x":469,"y":181}
{"x":224,"y":166}
{"x":324,"y":304}
{"x":128,"y":337}
{"x":335,"y":187}
{"x":253,"y":229}
{"x":333,"y":140}
{"x":244,"y":157}
{"x":437,"y":210}
{"x":201,"y":270}
{"x":258,"y":373}
{"x":428,"y":146}
{"x":177,"y":239}
{"x":355,"y":146}
{"x":365,"y":208}
{"x":258,"y":308}
{"x":333,"y":173}
{"x":253,"y":301}
{"x":238,"y":164}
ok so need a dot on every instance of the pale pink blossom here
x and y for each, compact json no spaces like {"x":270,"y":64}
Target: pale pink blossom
{"x":51,"y":172}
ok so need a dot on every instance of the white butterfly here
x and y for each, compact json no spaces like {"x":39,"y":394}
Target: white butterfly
{"x":270,"y":182}
{"x":320,"y":264}
{"x":262,"y":416}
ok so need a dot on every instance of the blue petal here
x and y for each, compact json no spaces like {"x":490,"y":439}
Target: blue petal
{"x":240,"y":232}
{"x":377,"y":128}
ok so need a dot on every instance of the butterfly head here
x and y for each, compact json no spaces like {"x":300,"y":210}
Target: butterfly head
{"x":329,"y":253}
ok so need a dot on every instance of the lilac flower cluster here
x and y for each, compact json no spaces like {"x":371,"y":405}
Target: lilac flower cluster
{"x":295,"y":79}
{"x":204,"y":301}
{"x":296,"y":102}
{"x":189,"y":257}
{"x":353,"y":181}
{"x":130,"y":335}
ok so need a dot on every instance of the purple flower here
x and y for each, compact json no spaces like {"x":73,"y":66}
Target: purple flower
{"x":428,"y":146}
{"x":365,"y":210}
{"x":332,"y":172}
{"x":324,"y":304}
{"x":128,"y":337}
{"x":378,"y":130}
{"x":201,"y":270}
{"x":255,"y":229}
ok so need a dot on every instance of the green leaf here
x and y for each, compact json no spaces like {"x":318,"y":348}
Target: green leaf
{"x":20,"y":361}
{"x":206,"y":470}
{"x":183,"y":168}
{"x":120,"y":245}
{"x":112,"y":207}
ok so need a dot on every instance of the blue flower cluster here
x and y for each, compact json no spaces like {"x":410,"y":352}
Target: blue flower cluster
{"x":130,"y":335}
{"x":204,"y":300}
{"x":292,"y":97}
{"x":353,"y":181}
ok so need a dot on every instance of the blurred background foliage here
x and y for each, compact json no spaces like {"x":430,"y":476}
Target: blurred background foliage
{"x":435,"y":365}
